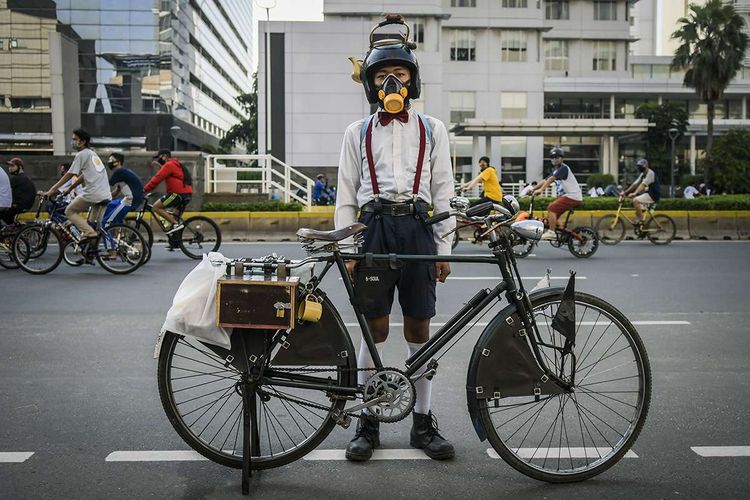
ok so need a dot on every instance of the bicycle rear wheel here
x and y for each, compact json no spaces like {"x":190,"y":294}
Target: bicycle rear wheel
{"x":201,"y":395}
{"x":38,"y":249}
{"x":585,"y":245}
{"x":611,"y":229}
{"x":143,"y":228}
{"x":660,"y":229}
{"x":574,"y":436}
{"x":6,"y":253}
{"x":121,"y":249}
{"x":200,"y":235}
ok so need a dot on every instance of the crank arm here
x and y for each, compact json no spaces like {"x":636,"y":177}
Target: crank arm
{"x":366,"y":404}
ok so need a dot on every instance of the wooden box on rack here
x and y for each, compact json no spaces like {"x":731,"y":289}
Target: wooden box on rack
{"x":256,"y":302}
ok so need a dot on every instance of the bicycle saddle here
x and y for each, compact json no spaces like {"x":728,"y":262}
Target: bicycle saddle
{"x":335,"y":235}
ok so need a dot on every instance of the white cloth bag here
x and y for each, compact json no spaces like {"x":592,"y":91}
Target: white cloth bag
{"x":193,"y":311}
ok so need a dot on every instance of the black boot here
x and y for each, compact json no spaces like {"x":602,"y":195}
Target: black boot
{"x":425,"y":436}
{"x":366,"y":439}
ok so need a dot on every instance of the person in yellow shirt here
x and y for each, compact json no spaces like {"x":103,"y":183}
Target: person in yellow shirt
{"x":488,"y":177}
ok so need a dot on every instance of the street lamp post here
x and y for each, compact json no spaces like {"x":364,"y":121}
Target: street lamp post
{"x":673,"y":134}
{"x":268,"y":5}
{"x":175,"y":130}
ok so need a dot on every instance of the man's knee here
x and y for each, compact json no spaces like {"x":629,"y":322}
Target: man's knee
{"x":416,"y":330}
{"x":379,"y":328}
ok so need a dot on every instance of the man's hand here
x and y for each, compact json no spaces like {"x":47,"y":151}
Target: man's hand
{"x":350,"y":268}
{"x":536,"y":193}
{"x":631,"y":195}
{"x":48,"y":194}
{"x":442,"y":270}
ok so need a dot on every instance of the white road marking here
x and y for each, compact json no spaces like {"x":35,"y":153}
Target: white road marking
{"x":155,"y":456}
{"x":552,"y":453}
{"x":497,"y":278}
{"x":14,"y":457}
{"x":633,"y":275}
{"x":722,"y":451}
{"x":381,"y":454}
{"x":584,"y":323}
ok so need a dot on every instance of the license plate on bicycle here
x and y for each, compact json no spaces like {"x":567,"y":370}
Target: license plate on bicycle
{"x":256,"y":302}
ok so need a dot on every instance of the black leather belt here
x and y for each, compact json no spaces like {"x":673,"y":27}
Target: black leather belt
{"x":394,"y":209}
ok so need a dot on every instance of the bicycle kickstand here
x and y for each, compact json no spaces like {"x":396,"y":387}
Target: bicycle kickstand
{"x":249,"y":433}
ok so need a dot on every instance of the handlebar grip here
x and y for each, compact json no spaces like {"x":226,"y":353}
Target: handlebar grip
{"x":438,"y":217}
{"x":478,"y":209}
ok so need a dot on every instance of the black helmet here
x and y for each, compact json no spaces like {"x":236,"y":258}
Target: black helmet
{"x":556,"y":151}
{"x":390,"y":51}
{"x":641,"y":162}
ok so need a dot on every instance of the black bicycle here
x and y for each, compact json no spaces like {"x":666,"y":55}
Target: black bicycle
{"x":200,"y":234}
{"x":559,"y":381}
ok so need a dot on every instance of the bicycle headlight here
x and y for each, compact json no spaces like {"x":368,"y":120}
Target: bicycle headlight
{"x":529,"y":229}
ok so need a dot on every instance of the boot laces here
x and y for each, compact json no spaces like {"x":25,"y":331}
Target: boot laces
{"x":433,"y":429}
{"x":366,"y":429}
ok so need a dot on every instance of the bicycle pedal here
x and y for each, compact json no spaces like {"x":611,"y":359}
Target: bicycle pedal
{"x":342,"y":419}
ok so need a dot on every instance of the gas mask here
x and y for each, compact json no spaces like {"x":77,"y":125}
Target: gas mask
{"x":393,"y":94}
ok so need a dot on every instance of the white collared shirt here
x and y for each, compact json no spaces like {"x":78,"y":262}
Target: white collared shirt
{"x":395,"y":148}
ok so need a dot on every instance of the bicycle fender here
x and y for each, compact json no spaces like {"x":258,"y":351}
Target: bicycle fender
{"x":503,"y":364}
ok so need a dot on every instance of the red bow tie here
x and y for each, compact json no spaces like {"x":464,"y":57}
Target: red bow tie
{"x":386,"y":118}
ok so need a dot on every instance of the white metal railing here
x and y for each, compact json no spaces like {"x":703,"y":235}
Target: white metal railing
{"x":515,"y":188}
{"x":273,"y":177}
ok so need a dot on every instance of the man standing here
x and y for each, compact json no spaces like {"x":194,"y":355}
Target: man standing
{"x":393,"y":165}
{"x":318,"y":189}
{"x":125,"y":183}
{"x":645,"y":190}
{"x":24,"y":191}
{"x":570,"y":197}
{"x":91,"y":173}
{"x":491,"y":185}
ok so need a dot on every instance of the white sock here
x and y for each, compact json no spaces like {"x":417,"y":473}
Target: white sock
{"x":364,"y":360}
{"x":423,"y":386}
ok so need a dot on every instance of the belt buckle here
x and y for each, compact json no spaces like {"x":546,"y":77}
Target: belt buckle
{"x":402,"y":209}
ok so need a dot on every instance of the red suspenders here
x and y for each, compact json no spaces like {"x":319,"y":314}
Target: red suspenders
{"x":420,"y":159}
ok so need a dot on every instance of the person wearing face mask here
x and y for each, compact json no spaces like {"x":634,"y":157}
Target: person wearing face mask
{"x":645,"y":190}
{"x":127,"y":190}
{"x":24,"y":191}
{"x":570,"y":195}
{"x":92,"y":175}
{"x":393,"y":165}
{"x":179,"y":188}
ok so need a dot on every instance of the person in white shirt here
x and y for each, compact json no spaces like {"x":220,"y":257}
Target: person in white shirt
{"x":570,"y":197}
{"x":527,"y":190}
{"x":393,"y":165}
{"x":93,"y":176}
{"x":690,"y":192}
{"x":6,"y":193}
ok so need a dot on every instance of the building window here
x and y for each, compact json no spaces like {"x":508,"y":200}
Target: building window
{"x":556,"y":55}
{"x":515,"y":4}
{"x":605,"y":56}
{"x":418,"y":31}
{"x":605,"y":10}
{"x":462,"y":106}
{"x":463,"y":3}
{"x":463,"y":45}
{"x":556,"y":10}
{"x":513,"y":45}
{"x":513,"y":105}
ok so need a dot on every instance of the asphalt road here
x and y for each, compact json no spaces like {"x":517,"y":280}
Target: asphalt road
{"x":79,"y":383}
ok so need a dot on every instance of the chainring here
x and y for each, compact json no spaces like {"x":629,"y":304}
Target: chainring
{"x":399,"y":391}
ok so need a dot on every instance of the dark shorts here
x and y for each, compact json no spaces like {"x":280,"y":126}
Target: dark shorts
{"x":375,"y":283}
{"x":562,"y":204}
{"x":174,"y":200}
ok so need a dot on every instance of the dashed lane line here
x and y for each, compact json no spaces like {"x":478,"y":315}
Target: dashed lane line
{"x":155,"y":456}
{"x":379,"y":454}
{"x":14,"y":457}
{"x":722,"y":451}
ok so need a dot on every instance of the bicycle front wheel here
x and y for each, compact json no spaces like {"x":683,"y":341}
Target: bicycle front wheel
{"x":143,"y":228}
{"x":200,"y":235}
{"x":576,"y":435}
{"x":611,"y":229}
{"x":523,"y":248}
{"x":660,"y":229}
{"x":585,"y":245}
{"x":121,"y":249}
{"x":201,"y":394}
{"x":38,"y":249}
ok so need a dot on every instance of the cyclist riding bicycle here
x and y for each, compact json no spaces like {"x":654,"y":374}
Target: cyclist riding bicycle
{"x":24,"y":191}
{"x":179,"y":189}
{"x":571,"y":195}
{"x":491,"y":186}
{"x":644,"y":191}
{"x":126,"y":183}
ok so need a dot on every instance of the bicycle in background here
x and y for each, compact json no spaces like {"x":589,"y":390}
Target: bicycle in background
{"x":200,"y":234}
{"x":660,"y":229}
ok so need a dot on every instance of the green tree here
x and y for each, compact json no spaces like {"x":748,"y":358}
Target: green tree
{"x":658,"y":143}
{"x":732,"y":164}
{"x":246,"y":131}
{"x":712,"y":47}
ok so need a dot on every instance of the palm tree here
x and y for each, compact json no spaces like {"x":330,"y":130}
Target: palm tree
{"x":711,"y":51}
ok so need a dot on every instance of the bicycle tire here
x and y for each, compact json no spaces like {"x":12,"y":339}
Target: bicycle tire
{"x":193,"y":236}
{"x":610,"y":229}
{"x":528,"y":459}
{"x":523,"y":248}
{"x":660,"y":229}
{"x":70,"y":259}
{"x":143,"y":228}
{"x":131,"y":248}
{"x":6,"y":254}
{"x":229,"y":452}
{"x":31,"y":243}
{"x":588,"y":237}
{"x":456,"y":238}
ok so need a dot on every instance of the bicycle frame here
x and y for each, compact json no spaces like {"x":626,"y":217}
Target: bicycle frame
{"x":147,"y":207}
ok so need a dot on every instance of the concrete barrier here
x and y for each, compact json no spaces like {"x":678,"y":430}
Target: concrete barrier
{"x":273,"y":226}
{"x":713,"y":225}
{"x":681,"y":221}
{"x":743,"y":224}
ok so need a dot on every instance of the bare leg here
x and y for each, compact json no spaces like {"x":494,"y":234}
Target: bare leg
{"x":638,"y":210}
{"x":552,"y":220}
{"x":159,"y":209}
